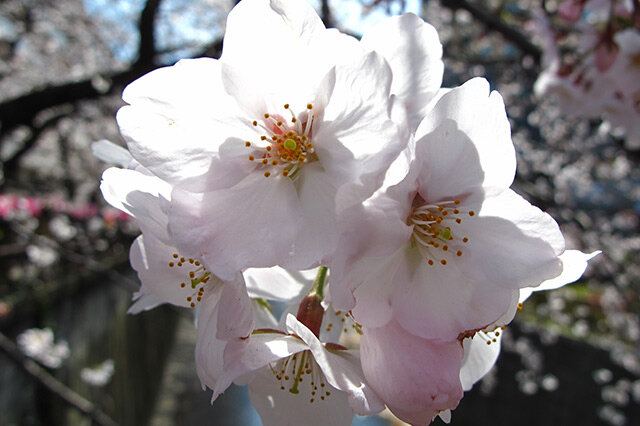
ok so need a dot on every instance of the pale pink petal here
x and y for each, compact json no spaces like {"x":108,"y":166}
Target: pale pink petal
{"x":235,"y":314}
{"x":275,"y":284}
{"x":261,"y":349}
{"x":574,"y":263}
{"x":209,"y":350}
{"x":472,"y":115}
{"x":140,"y":196}
{"x":319,"y":235}
{"x":478,"y":359}
{"x":279,"y":407}
{"x":341,"y":370}
{"x":417,"y":66}
{"x":510,"y":243}
{"x":151,"y":259}
{"x":417,"y":381}
{"x":355,"y":139}
{"x":440,"y":302}
{"x":252,"y":224}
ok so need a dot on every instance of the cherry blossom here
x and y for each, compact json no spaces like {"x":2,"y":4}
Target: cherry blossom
{"x":298,"y":371}
{"x":449,"y":246}
{"x":263,"y":159}
{"x":597,"y":73}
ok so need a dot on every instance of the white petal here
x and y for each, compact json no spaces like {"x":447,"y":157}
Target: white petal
{"x":341,"y":369}
{"x":478,"y":359}
{"x":472,"y":116}
{"x":282,"y":31}
{"x":261,"y":349}
{"x":139,"y":195}
{"x":209,"y":351}
{"x":235,"y":314}
{"x":144,"y":302}
{"x":151,"y":258}
{"x":274,"y":284}
{"x":319,"y":234}
{"x":109,"y":152}
{"x":574,"y":263}
{"x":252,"y":224}
{"x":414,"y":53}
{"x":355,"y":139}
{"x":178,"y":122}
{"x":279,"y":407}
{"x":510,"y":243}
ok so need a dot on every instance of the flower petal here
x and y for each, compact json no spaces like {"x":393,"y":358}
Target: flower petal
{"x":235,"y":314}
{"x":417,"y":381}
{"x":478,"y":359}
{"x":574,"y":263}
{"x":417,"y":66}
{"x":440,"y":302}
{"x":209,"y":351}
{"x":319,"y":235}
{"x":177,"y":122}
{"x":252,"y":224}
{"x":355,"y":139}
{"x":279,"y":407}
{"x":275,"y":284}
{"x":151,"y":259}
{"x":341,"y":369}
{"x":511,"y":243}
{"x":261,"y":349}
{"x":474,"y":116}
{"x":139,"y":195}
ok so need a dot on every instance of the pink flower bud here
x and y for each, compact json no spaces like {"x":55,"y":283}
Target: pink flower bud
{"x":310,"y":313}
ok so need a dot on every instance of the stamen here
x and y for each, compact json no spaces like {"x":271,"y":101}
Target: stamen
{"x":286,"y":145}
{"x":433,"y":226}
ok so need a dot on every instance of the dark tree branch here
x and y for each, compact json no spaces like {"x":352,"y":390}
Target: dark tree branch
{"x":11,"y":163}
{"x":493,"y":22}
{"x":23,"y":109}
{"x":50,"y":383}
{"x":325,"y":14}
{"x":146,"y":27}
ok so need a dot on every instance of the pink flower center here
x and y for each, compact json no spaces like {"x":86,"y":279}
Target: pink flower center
{"x":433,"y":230}
{"x":286,"y":145}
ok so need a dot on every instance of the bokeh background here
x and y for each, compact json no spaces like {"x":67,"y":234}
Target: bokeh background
{"x":571,"y":357}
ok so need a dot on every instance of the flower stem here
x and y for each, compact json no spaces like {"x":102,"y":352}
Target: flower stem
{"x":318,"y":285}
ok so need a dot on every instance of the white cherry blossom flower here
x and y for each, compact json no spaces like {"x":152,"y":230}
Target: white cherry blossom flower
{"x":446,"y":251}
{"x":39,"y":344}
{"x":169,"y":276}
{"x":297,"y":378}
{"x":265,"y":147}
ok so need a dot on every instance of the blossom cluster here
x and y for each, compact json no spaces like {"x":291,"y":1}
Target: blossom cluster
{"x":335,"y":175}
{"x":591,"y":61}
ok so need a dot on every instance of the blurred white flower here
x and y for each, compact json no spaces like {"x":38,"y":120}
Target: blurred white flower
{"x":39,"y":345}
{"x":99,"y":375}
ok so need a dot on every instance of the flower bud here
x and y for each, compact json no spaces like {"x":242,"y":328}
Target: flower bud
{"x":310,"y":313}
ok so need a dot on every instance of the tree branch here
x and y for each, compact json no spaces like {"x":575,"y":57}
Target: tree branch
{"x":50,"y":383}
{"x":146,"y":28}
{"x":325,"y":14}
{"x":492,"y":22}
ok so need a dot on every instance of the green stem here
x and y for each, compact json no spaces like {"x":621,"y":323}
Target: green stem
{"x":318,"y":285}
